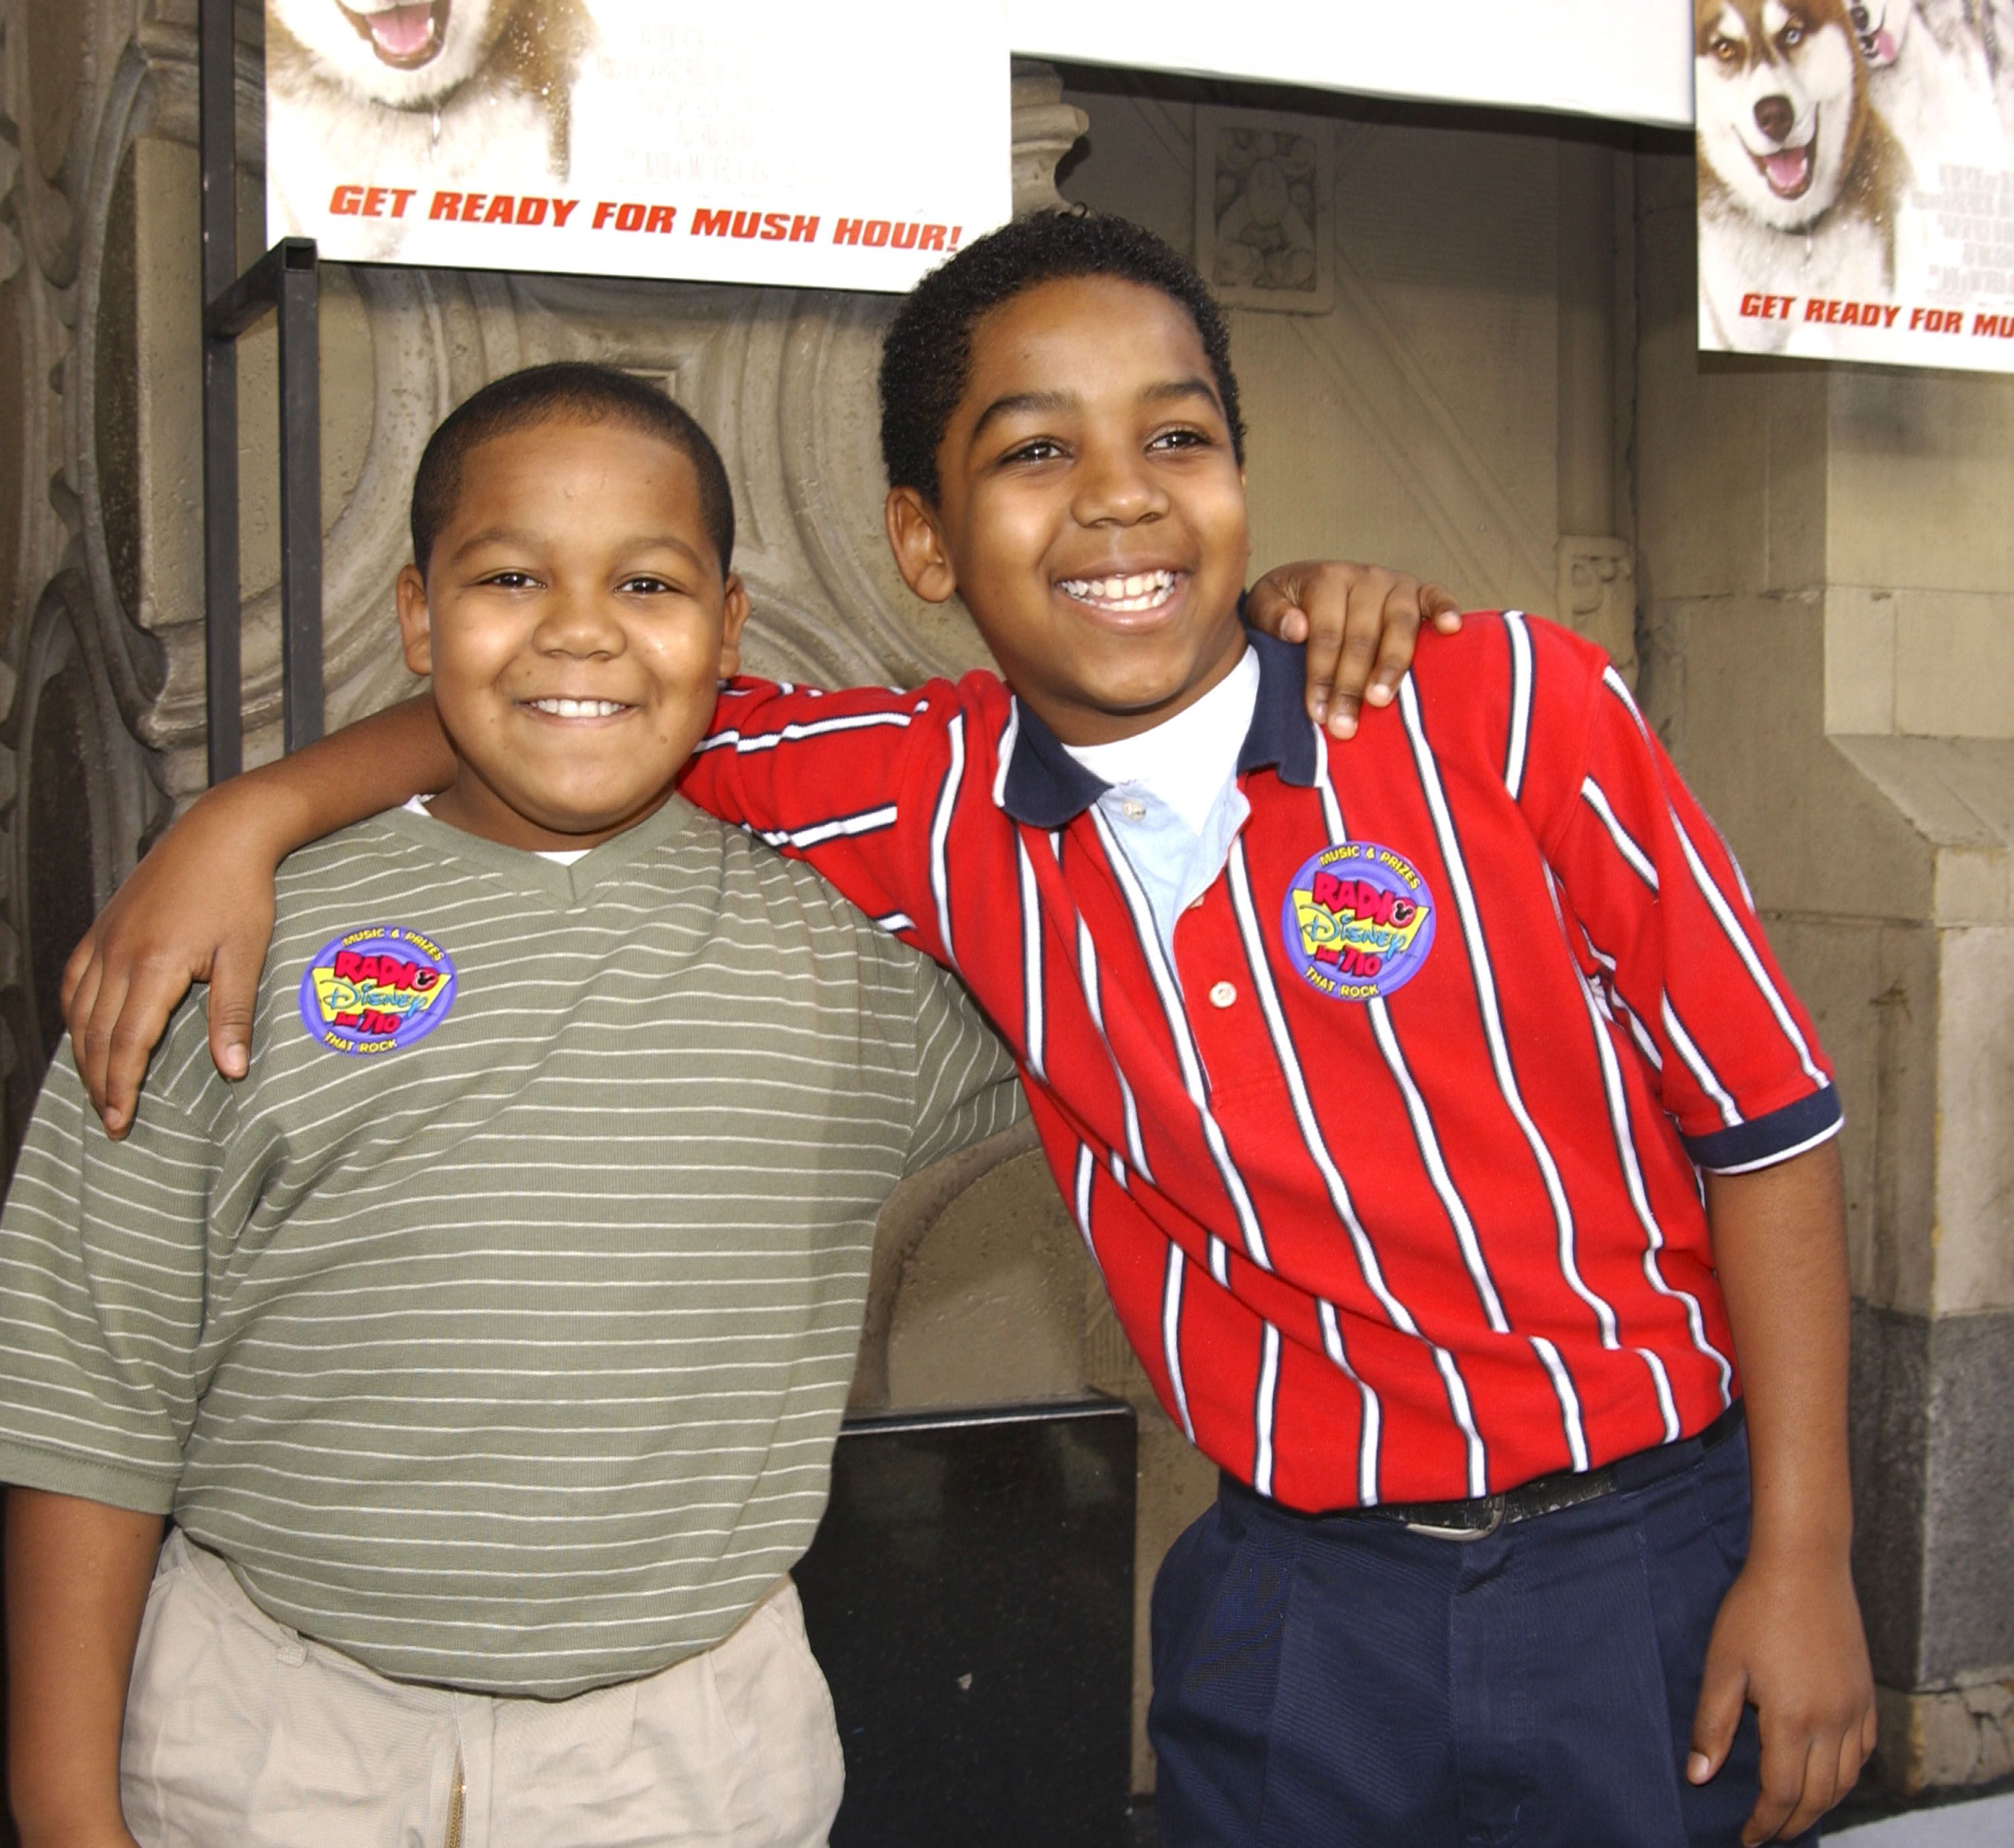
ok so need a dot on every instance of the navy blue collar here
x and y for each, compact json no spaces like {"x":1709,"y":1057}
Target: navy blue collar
{"x":1042,"y":785}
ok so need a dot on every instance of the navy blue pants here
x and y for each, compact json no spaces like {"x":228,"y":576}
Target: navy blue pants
{"x":1329,"y":1683}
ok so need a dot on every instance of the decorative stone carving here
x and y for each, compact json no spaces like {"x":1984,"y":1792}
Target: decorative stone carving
{"x":1263,"y":234}
{"x":1045,"y":128}
{"x":1597,"y":596}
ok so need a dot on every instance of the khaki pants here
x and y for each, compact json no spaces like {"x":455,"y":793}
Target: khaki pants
{"x":240,"y":1734}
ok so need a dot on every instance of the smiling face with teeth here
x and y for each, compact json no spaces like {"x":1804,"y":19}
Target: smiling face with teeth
{"x":1090,"y":507}
{"x":575,"y":620}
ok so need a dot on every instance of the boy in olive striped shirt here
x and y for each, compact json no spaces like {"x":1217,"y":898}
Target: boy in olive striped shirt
{"x":488,"y":1343}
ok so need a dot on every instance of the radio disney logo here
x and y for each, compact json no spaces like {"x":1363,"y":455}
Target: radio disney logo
{"x":1357,"y":921}
{"x":376,"y":990}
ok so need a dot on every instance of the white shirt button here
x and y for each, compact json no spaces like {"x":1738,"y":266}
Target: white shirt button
{"x":1133,"y":810}
{"x":1223,"y":995}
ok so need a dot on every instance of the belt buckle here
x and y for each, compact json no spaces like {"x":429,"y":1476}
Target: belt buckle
{"x":1463,"y":1535}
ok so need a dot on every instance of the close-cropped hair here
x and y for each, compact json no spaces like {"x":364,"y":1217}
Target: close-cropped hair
{"x":927,"y":356}
{"x":571,"y":389}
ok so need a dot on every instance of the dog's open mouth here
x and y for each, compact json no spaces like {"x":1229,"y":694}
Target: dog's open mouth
{"x":1788,"y":172}
{"x":405,"y":34}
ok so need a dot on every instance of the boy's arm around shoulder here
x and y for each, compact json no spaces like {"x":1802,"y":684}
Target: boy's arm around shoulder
{"x":871,"y":787}
{"x":199,"y":907}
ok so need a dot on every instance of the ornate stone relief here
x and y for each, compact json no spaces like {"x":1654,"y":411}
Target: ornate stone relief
{"x":1597,"y":595}
{"x":1264,"y":238}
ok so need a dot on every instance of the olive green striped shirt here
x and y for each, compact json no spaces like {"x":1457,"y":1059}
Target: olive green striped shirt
{"x":508,"y":1356}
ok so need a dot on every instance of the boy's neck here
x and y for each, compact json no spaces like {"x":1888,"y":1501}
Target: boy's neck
{"x":469,"y":804}
{"x":1088,"y":724}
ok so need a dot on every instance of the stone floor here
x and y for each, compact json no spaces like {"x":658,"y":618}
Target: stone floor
{"x":1975,"y":1821}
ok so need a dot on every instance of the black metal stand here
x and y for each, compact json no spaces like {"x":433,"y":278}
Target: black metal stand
{"x":286,"y":279}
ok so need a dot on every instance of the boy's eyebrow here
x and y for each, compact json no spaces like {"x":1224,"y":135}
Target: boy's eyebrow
{"x":518,"y":535}
{"x":1193,"y":386}
{"x":1015,"y":403}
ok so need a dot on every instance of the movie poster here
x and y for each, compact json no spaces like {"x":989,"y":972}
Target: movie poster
{"x":823,"y":146}
{"x":1856,"y":179}
{"x":1618,"y":60}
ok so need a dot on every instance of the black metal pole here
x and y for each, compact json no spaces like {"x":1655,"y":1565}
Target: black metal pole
{"x":218,"y":78}
{"x":300,"y":490}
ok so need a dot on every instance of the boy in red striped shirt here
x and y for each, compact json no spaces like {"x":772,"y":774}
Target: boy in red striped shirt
{"x":1381,"y":1082}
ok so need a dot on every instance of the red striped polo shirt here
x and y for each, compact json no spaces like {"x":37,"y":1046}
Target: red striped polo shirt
{"x":1392,"y":1171}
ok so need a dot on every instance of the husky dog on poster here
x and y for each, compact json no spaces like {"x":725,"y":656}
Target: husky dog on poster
{"x":462,"y":90}
{"x":1856,"y":179}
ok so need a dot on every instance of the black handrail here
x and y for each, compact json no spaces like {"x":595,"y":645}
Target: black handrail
{"x":287,"y":279}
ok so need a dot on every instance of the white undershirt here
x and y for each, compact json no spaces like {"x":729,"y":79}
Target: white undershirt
{"x":1187,"y":760}
{"x":559,"y":856}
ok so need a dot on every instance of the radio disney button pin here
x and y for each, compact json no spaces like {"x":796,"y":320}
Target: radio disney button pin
{"x":1357,"y":921}
{"x":377,"y":989}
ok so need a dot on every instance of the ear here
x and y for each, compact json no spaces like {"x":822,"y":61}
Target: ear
{"x":734,"y":619}
{"x":919,"y":546}
{"x":414,"y":628}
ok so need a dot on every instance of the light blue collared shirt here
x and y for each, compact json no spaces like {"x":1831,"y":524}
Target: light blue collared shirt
{"x":1173,"y":804}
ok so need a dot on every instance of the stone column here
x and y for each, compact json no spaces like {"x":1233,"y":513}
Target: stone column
{"x":1826,"y":564}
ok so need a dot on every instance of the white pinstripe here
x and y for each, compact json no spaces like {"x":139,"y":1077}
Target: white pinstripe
{"x":1171,"y":1338}
{"x":1035,"y":1023}
{"x":940,"y":832}
{"x":869,"y":820}
{"x":1556,"y":1370}
{"x":1265,"y":1409}
{"x":1646,"y":1043}
{"x":1521,"y":702}
{"x":791,"y":733}
{"x":1087,"y":1171}
{"x":1695,"y":1062}
{"x":1370,"y":1426}
{"x":1653,"y":1235}
{"x":1087,"y":957}
{"x":1626,"y":845}
{"x":1009,"y":732}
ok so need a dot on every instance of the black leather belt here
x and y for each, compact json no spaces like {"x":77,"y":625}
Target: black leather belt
{"x":1480,"y":1515}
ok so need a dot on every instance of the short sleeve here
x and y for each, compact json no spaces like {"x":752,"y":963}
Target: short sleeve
{"x":1669,"y":922}
{"x":101,"y":1266}
{"x":967,"y":1085}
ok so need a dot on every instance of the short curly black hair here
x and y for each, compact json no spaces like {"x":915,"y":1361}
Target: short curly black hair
{"x":541,"y":394}
{"x":927,"y":356}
